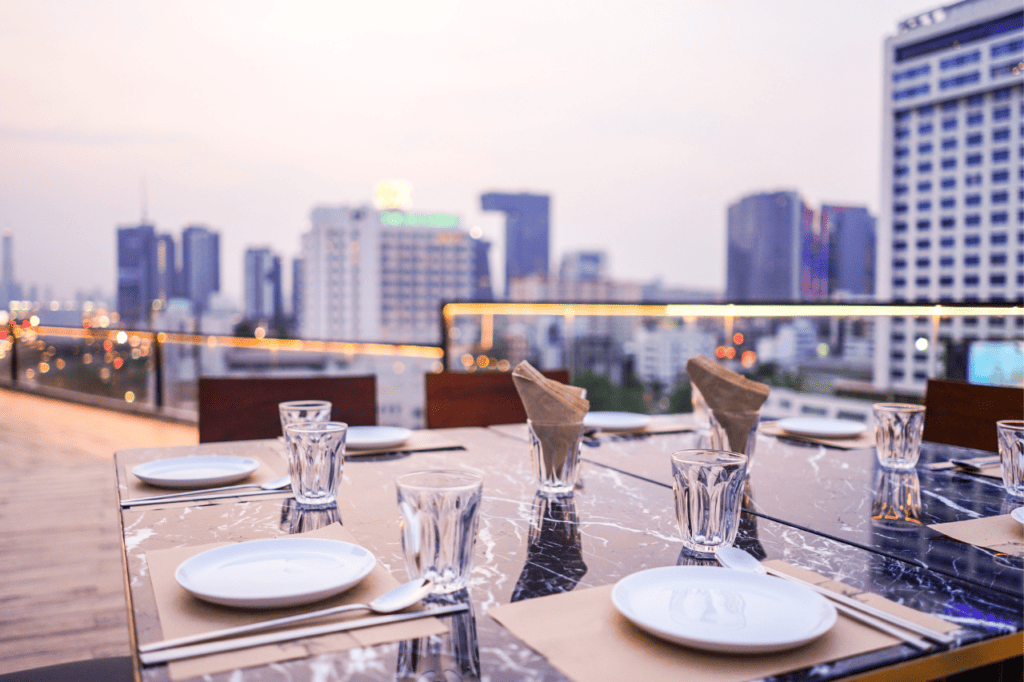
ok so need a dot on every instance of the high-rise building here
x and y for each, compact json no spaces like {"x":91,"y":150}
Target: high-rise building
{"x":766,"y":247}
{"x":9,"y":290}
{"x":263,"y":299}
{"x":167,"y":274}
{"x":371,"y":275}
{"x":952,"y":226}
{"x":200,"y":266}
{"x":527,"y":238}
{"x":136,"y":273}
{"x":298,"y":286}
{"x":483,"y":288}
{"x":850,"y":234}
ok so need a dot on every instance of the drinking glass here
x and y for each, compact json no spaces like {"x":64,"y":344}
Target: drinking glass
{"x":316,"y":458}
{"x":439,"y":520}
{"x":295,"y":411}
{"x":1011,"y":454}
{"x":896,"y":504}
{"x":898,"y":430}
{"x":555,"y":451}
{"x":708,"y":487}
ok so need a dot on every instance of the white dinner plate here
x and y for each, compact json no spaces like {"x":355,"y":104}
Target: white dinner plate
{"x":366,"y":437}
{"x":1018,"y":515}
{"x":822,"y":428}
{"x":616,"y":421}
{"x":273,"y":573}
{"x":724,"y":610}
{"x":195,"y":472}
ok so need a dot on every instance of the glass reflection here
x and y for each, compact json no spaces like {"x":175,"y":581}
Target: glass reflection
{"x":554,"y":553}
{"x":452,"y":657}
{"x":897,"y":500}
{"x":302,"y":520}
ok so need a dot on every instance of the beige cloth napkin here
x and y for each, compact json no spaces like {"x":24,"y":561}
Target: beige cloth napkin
{"x":998,"y":533}
{"x":734,"y":400}
{"x":864,"y":440}
{"x":182,"y":614}
{"x":546,"y":400}
{"x":582,"y":635}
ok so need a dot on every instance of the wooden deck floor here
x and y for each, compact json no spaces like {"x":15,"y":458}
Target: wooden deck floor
{"x":61,"y":585}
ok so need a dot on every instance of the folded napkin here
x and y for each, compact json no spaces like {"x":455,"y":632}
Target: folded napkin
{"x":548,"y":401}
{"x":734,"y":400}
{"x":998,"y":533}
{"x":182,"y":614}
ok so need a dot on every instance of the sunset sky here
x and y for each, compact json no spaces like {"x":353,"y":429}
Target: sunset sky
{"x":642,"y":121}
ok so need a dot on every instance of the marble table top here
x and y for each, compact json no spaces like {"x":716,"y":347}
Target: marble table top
{"x":529,"y":546}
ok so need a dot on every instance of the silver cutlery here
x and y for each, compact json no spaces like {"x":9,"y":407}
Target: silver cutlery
{"x":736,"y":558}
{"x":200,"y":494}
{"x":401,"y":597}
{"x":221,"y":646}
{"x":975,"y":465}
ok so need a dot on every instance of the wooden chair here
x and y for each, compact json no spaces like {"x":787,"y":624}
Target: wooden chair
{"x":965,"y":414}
{"x":246,"y":408}
{"x":476,"y":398}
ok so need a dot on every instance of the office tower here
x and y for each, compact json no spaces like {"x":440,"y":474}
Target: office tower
{"x":483,"y":290}
{"x":850,"y":234}
{"x":372,"y":275}
{"x":298,"y":286}
{"x":263,"y":300}
{"x":7,"y":286}
{"x":200,"y":266}
{"x":527,"y":219}
{"x":167,"y":275}
{"x":136,"y":274}
{"x":767,"y":244}
{"x":952,"y":227}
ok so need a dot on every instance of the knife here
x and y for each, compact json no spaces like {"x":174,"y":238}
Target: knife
{"x":146,"y":501}
{"x":975,"y":465}
{"x":221,"y":646}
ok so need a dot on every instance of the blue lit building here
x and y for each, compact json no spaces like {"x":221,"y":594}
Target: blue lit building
{"x":527,"y":231}
{"x":482,"y":287}
{"x":200,"y":266}
{"x":850,"y":235}
{"x":766,"y":246}
{"x":136,"y":273}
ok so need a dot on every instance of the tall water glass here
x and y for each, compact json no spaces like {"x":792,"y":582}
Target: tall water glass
{"x":439,"y":520}
{"x":555,"y":451}
{"x":1011,"y":454}
{"x":708,"y":487}
{"x":898,"y":429}
{"x":316,"y":459}
{"x":295,"y":411}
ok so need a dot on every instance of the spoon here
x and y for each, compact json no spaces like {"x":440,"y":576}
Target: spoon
{"x":401,"y":597}
{"x":276,"y":484}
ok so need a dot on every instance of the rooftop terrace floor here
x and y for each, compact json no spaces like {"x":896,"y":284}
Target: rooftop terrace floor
{"x":61,"y":584}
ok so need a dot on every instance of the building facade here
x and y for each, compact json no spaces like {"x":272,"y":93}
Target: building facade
{"x":263,"y":296}
{"x":849,"y":232}
{"x":136,"y":274}
{"x":200,"y":266}
{"x":527,"y":232}
{"x":765,"y":248}
{"x":952,"y":228}
{"x":371,"y":275}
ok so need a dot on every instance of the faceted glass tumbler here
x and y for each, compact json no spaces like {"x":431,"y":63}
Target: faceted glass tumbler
{"x":316,"y":459}
{"x":1011,"y":454}
{"x":555,"y":452}
{"x":898,"y":429}
{"x":439,"y":521}
{"x":295,"y":411}
{"x":708,"y":487}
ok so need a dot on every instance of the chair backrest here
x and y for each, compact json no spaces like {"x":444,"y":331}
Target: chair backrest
{"x":476,"y":398}
{"x":246,"y":408}
{"x":965,"y":414}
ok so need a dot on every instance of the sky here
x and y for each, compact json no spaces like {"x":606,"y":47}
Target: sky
{"x":642,"y":121}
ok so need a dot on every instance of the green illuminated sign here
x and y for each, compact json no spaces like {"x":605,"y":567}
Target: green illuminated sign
{"x":400,"y":219}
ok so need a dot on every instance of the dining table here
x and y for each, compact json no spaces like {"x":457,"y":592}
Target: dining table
{"x":537,"y":604}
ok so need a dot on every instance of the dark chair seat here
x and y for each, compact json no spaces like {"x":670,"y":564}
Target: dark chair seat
{"x":115,"y":669}
{"x":476,"y":398}
{"x":246,"y":408}
{"x":958,"y":413}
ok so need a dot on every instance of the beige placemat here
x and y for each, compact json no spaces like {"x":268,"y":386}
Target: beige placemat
{"x":865,"y":440}
{"x":420,"y":441}
{"x":270,"y":455}
{"x":182,"y":614}
{"x":997,"y":533}
{"x":582,"y":635}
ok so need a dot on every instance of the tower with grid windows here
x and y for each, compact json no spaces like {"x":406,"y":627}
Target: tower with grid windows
{"x":952,"y":224}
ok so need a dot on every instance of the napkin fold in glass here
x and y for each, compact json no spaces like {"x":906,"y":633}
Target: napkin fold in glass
{"x":181,"y":614}
{"x":734,"y":400}
{"x":584,"y":637}
{"x":997,"y":533}
{"x":546,"y":400}
{"x":864,"y":440}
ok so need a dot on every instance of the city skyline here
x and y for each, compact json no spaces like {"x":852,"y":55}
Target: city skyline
{"x":272,"y":110}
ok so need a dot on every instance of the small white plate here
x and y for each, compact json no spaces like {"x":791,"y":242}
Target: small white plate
{"x":367,"y":437}
{"x":822,"y":428}
{"x":718,"y":609}
{"x":195,"y":472}
{"x":264,"y":574}
{"x":616,"y":421}
{"x":1018,"y":515}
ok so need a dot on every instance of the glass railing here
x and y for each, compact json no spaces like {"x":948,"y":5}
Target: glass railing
{"x":821,"y":360}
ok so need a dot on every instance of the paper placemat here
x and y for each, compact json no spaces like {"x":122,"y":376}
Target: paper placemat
{"x":271,"y":456}
{"x":182,"y":614}
{"x":582,"y":635}
{"x":865,"y":440}
{"x":420,"y":441}
{"x":998,"y":533}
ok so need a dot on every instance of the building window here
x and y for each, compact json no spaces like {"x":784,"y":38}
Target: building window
{"x":948,"y":183}
{"x":1002,"y":49}
{"x":1000,"y":155}
{"x":972,"y":261}
{"x":973,"y":179}
{"x":945,"y":281}
{"x":997,"y":238}
{"x":907,"y":93}
{"x":923,"y":262}
{"x":974,"y":139}
{"x":948,"y":162}
{"x":899,"y":282}
{"x":924,"y":148}
{"x":922,"y":281}
{"x":1001,"y":135}
{"x":948,"y":223}
{"x":926,"y":166}
{"x":900,"y":189}
{"x":949,"y":105}
{"x":946,"y":261}
{"x":924,"y":243}
{"x":902,"y":133}
{"x":899,"y":208}
{"x":949,"y":143}
{"x":949,"y":124}
{"x":948,"y":202}
{"x":1001,"y":114}
{"x":925,"y":128}
{"x":915,"y":72}
{"x":997,"y":259}
{"x":1000,"y":176}
{"x":900,"y":171}
{"x":971,"y":280}
{"x":975,"y":118}
{"x":924,"y":205}
{"x":947,"y":242}
{"x":899,"y":246}
{"x":972,"y":199}
{"x":1000,"y":218}
{"x":924,"y":225}
{"x":997,"y":280}
{"x":960,"y":60}
{"x":925,"y":186}
{"x":961,"y":80}
{"x":899,"y":227}
{"x":974,"y":100}
{"x":973,"y":159}
{"x":1000,"y":197}
{"x":972,"y":220}
{"x":900,"y":152}
{"x":972,"y":240}
{"x":899,"y":264}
